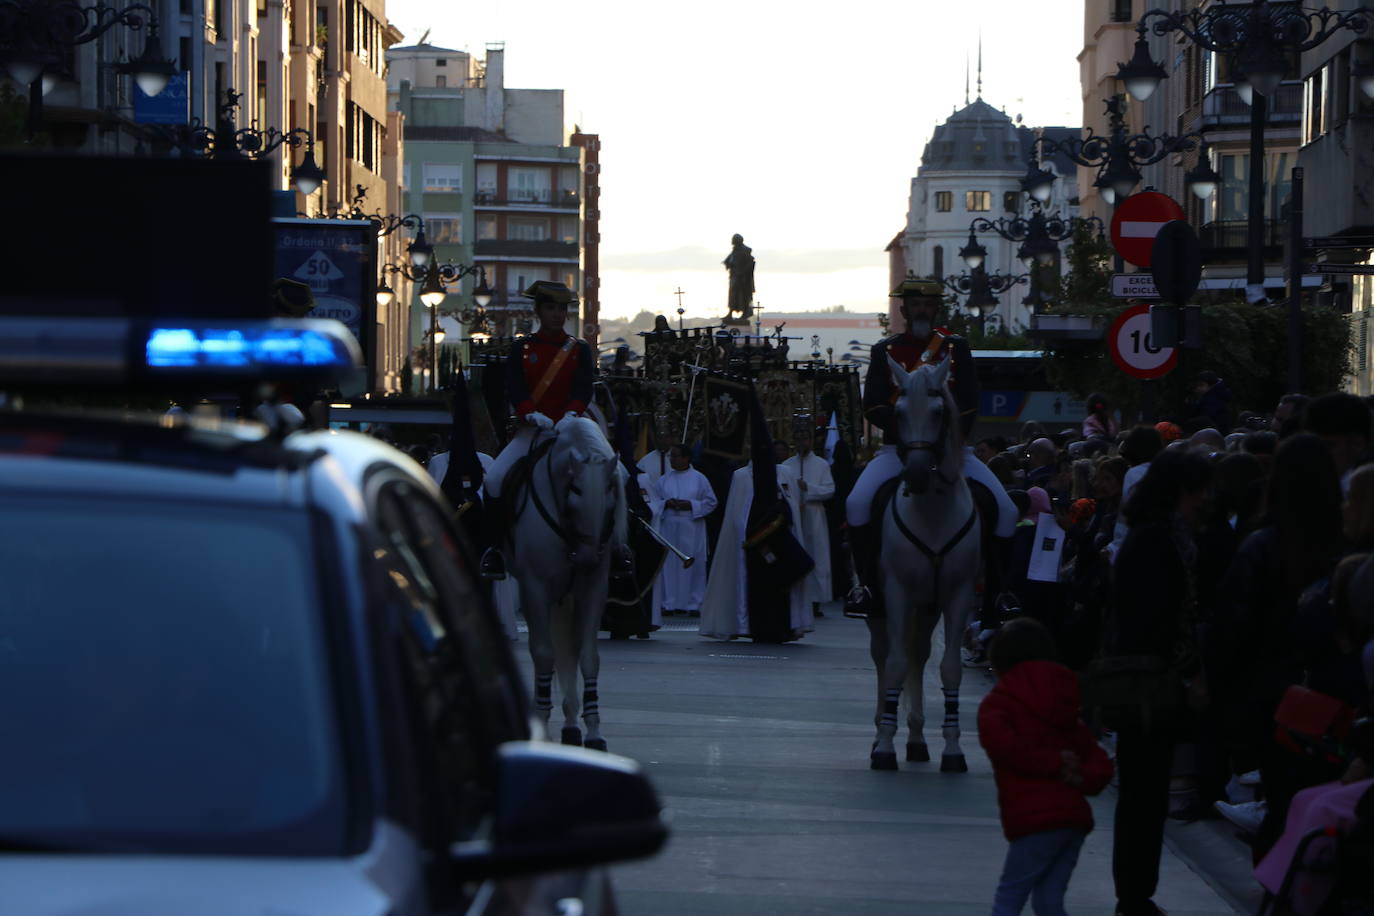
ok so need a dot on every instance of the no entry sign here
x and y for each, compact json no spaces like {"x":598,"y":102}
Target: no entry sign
{"x":1138,"y":220}
{"x":1133,"y":349}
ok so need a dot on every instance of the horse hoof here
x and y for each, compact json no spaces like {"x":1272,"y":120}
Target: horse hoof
{"x":595,"y":744}
{"x":917,"y":753}
{"x":953,"y":763}
{"x":572,"y":736}
{"x":883,"y":760}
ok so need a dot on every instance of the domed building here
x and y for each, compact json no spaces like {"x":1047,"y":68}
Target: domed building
{"x":972,"y":167}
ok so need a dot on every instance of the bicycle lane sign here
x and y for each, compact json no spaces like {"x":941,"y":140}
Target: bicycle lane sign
{"x":1133,"y":349}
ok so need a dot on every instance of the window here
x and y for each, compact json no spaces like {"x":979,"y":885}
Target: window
{"x":440,"y":82}
{"x":444,"y":230}
{"x":567,"y":229}
{"x":527,"y":230}
{"x":944,"y":201}
{"x":938,"y":260}
{"x":1120,"y":10}
{"x":1233,"y":203}
{"x":529,"y":185}
{"x":441,"y":62}
{"x":486,"y":227}
{"x":1314,"y":111}
{"x":978,"y":201}
{"x":439,"y":177}
{"x":1011,"y":201}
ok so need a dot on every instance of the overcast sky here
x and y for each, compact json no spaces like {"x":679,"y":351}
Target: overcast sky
{"x":797,"y":125}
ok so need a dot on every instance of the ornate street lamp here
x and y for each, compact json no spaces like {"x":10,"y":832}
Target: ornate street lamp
{"x":982,"y":290}
{"x":1039,"y":235}
{"x":32,"y":31}
{"x":226,"y":141}
{"x":434,"y":279}
{"x":1118,"y":157}
{"x":1257,"y":39}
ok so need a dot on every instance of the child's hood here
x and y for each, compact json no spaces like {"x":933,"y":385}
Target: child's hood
{"x":1047,"y":689}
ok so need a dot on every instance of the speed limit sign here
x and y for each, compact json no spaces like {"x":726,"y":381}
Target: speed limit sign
{"x":1133,"y":349}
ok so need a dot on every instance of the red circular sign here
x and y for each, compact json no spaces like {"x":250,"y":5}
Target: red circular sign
{"x":1138,"y":220}
{"x":1131,"y":348}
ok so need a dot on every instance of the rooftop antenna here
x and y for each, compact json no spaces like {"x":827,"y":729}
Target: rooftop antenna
{"x":424,"y":36}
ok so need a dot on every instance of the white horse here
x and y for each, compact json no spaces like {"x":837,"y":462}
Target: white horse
{"x":567,"y":518}
{"x":929,"y":564}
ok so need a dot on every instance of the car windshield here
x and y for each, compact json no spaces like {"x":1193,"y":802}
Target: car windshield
{"x":165,"y":680}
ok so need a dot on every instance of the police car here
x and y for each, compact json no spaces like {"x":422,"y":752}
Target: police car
{"x":251,"y":674}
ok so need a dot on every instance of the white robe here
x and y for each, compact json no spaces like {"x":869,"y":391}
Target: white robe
{"x":678,"y":589}
{"x":652,"y":469}
{"x":725,"y":610}
{"x":813,"y":527}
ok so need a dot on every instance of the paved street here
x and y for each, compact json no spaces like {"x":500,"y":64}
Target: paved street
{"x":760,"y":753}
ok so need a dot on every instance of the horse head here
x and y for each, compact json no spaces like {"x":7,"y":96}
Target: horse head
{"x":925,"y":422}
{"x":588,"y":470}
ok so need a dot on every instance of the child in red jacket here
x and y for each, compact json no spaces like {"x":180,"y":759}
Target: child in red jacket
{"x":1045,"y":761}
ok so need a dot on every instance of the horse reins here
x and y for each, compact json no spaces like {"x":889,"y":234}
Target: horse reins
{"x":936,"y":557}
{"x":544,"y":513}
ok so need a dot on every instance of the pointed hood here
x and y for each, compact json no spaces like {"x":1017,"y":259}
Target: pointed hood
{"x":464,"y":474}
{"x":762,"y":462}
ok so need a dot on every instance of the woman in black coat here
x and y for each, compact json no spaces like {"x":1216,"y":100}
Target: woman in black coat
{"x":1151,"y":615}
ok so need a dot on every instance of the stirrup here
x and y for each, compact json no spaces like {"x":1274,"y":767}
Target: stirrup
{"x":858,"y":603}
{"x":493,"y":565}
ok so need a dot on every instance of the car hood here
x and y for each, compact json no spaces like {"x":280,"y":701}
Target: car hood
{"x":106,"y":885}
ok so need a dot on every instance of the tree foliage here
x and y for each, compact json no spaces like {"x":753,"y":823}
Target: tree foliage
{"x":1246,"y":345}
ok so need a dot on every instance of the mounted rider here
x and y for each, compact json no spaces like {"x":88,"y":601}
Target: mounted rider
{"x":548,"y":380}
{"x":922,"y":342}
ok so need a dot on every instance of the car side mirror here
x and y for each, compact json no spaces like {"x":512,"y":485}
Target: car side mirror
{"x":562,"y":807}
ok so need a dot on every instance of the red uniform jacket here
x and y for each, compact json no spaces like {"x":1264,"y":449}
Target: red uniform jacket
{"x":1028,"y":718}
{"x":569,"y":390}
{"x":880,"y":392}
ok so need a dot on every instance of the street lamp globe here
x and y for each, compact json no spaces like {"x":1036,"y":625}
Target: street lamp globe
{"x":420,"y":249}
{"x":24,"y":70}
{"x":1038,"y":182}
{"x":482,"y":294}
{"x":308,"y":176}
{"x":432,"y":293}
{"x":1202,"y":179}
{"x":385,"y":295}
{"x":1141,"y":74}
{"x":973,"y":253}
{"x":439,"y":334}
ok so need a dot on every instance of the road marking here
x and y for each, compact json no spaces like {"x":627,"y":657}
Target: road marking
{"x":733,"y":655}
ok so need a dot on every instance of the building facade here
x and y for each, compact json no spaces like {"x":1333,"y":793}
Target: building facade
{"x":970,"y":169}
{"x":500,"y":182}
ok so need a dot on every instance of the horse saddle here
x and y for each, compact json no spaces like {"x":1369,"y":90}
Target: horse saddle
{"x":517,"y":480}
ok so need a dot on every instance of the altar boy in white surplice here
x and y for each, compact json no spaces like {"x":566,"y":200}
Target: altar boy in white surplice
{"x":680,"y":500}
{"x":817,"y":487}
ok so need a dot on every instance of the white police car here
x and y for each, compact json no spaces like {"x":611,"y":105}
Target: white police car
{"x":247,"y":676}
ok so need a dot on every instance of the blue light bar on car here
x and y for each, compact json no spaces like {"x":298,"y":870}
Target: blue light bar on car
{"x":248,"y":348}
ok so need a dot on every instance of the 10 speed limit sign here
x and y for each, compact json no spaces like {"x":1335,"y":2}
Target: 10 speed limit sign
{"x":1132,"y":348}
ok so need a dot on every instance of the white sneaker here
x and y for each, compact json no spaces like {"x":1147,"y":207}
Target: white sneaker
{"x":1246,"y":815}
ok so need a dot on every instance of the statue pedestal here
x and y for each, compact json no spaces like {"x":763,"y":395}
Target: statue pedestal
{"x":735,"y":322}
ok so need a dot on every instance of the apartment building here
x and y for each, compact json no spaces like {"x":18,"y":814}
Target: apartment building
{"x":500,"y":181}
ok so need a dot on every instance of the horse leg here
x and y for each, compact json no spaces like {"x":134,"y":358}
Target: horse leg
{"x":918,"y":651}
{"x":877,"y":650}
{"x":536,"y":611}
{"x":956,"y":615}
{"x":589,"y":658}
{"x":884,"y":754}
{"x":565,"y":650}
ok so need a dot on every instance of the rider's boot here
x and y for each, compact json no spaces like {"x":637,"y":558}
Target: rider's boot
{"x":862,"y":600}
{"x":493,"y":564}
{"x":995,"y":578}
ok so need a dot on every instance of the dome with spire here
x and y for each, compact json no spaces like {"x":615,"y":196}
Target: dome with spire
{"x":976,"y":138}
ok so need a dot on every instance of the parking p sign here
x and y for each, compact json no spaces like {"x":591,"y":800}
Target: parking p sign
{"x":1133,"y":348}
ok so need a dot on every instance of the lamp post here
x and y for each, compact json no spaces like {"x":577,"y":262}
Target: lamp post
{"x":226,"y":141}
{"x":1257,"y":40}
{"x":31,"y":32}
{"x":1039,"y":235}
{"x":434,"y":278}
{"x":982,"y":289}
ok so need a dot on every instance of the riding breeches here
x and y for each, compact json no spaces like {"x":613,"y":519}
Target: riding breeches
{"x":518,"y":447}
{"x":886,"y":465}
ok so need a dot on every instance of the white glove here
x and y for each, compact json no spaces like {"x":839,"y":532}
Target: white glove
{"x":538,"y":419}
{"x":571,"y":415}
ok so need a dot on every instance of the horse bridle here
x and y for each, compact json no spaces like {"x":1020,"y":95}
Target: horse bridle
{"x":936,"y":448}
{"x":571,"y":537}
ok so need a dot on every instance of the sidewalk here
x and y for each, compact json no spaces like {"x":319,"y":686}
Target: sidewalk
{"x":761,"y":755}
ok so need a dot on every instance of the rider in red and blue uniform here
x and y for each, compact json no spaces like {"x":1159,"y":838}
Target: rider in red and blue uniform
{"x":922,"y":342}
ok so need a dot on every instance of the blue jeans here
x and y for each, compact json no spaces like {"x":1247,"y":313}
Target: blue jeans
{"x":1038,"y":866}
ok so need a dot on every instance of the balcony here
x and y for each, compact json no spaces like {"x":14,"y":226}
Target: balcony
{"x":525,"y":248}
{"x":562,"y":200}
{"x":1222,"y":107}
{"x":1225,"y":240}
